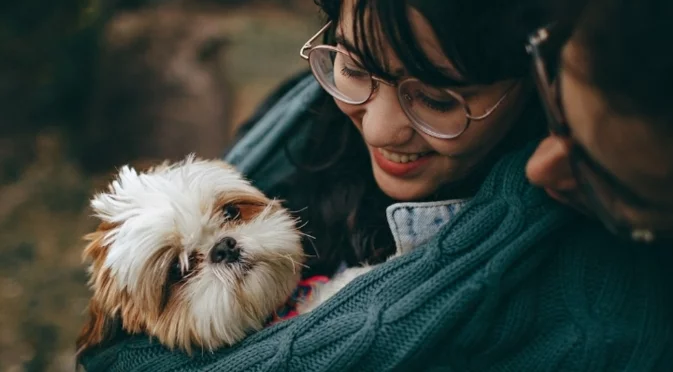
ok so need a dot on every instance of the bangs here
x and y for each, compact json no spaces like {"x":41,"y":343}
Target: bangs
{"x":483,"y":39}
{"x":386,"y":22}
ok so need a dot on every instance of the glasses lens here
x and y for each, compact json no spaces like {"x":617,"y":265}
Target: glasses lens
{"x":436,"y":111}
{"x":340,"y":75}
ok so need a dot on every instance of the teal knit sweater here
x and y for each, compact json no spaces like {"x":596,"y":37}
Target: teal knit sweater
{"x":513,"y":283}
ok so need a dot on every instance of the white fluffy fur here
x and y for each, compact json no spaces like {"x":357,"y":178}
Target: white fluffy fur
{"x":329,"y":289}
{"x":170,"y":212}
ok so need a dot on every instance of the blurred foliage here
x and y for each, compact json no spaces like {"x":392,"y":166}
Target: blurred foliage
{"x":48,"y":51}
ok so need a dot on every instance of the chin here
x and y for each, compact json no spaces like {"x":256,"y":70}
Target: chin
{"x":188,"y":253}
{"x":403,"y":190}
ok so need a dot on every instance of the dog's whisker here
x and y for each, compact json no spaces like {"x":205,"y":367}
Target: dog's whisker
{"x":298,"y":210}
{"x":306,"y":235}
{"x":294,"y":263}
{"x":315,"y":249}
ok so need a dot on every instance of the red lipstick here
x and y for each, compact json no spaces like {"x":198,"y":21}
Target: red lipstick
{"x":399,"y":169}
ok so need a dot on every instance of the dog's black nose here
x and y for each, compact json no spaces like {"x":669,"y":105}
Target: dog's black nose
{"x":226,"y":250}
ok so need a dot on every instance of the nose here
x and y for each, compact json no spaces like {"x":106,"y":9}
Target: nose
{"x":226,"y":250}
{"x":549,"y":167}
{"x":384,"y":123}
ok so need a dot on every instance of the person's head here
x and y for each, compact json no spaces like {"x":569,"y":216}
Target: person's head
{"x":393,"y":132}
{"x":388,"y":65}
{"x":609,"y":92}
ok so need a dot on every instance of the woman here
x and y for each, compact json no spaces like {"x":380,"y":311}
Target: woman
{"x":610,"y":114}
{"x":358,"y":160}
{"x":512,"y":281}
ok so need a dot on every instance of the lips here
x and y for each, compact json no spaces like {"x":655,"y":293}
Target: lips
{"x":401,"y":157}
{"x":400,"y":164}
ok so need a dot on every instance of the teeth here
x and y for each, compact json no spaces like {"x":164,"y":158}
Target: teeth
{"x":400,"y":158}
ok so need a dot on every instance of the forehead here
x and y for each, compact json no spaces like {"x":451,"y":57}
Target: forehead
{"x":628,"y":147}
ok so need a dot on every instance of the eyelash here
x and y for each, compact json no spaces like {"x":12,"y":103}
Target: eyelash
{"x":351,"y":73}
{"x":430,"y":103}
{"x":435,"y":105}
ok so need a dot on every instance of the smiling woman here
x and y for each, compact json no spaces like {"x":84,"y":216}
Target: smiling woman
{"x":418,"y":114}
{"x":400,"y":117}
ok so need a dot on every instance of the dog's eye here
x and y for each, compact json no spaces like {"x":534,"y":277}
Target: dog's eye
{"x":231,"y":212}
{"x":175,"y":272}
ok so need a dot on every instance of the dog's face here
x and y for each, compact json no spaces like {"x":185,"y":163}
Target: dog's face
{"x":190,"y":253}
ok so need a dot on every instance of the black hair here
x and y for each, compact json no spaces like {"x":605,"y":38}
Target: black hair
{"x":334,"y":190}
{"x":625,"y":45}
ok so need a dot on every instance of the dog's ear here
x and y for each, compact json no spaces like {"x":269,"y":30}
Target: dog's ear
{"x":120,"y":197}
{"x":100,"y":326}
{"x":100,"y":329}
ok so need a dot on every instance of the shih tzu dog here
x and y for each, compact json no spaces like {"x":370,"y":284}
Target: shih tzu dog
{"x":189,"y":253}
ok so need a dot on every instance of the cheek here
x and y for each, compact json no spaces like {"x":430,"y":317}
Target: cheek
{"x":481,"y":136}
{"x":355,"y":113}
{"x":489,"y":132}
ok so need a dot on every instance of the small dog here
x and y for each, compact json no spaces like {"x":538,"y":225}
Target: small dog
{"x":190,"y":253}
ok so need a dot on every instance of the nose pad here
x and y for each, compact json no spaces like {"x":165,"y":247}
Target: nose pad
{"x":226,"y":250}
{"x":385,"y":123}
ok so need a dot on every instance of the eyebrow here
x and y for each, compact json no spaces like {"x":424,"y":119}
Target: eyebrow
{"x":446,"y":71}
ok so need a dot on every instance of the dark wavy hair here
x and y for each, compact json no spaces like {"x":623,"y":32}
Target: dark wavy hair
{"x":334,"y":190}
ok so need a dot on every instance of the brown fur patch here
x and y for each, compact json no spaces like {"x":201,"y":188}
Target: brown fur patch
{"x":95,"y":249}
{"x":110,"y":310}
{"x":249,"y":205}
{"x":100,"y":324}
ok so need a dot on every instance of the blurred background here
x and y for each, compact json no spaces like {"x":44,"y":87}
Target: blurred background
{"x":89,"y":85}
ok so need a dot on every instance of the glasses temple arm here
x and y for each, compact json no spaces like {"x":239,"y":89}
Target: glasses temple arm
{"x":303,"y":51}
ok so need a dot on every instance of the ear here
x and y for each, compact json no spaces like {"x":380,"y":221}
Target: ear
{"x":100,"y":326}
{"x":96,"y":251}
{"x":120,"y":197}
{"x":100,"y":329}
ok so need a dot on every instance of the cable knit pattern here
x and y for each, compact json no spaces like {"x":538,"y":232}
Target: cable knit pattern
{"x":513,"y":283}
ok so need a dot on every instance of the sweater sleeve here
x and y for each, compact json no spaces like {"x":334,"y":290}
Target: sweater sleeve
{"x":593,"y":303}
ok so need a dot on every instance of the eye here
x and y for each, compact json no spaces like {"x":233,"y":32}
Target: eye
{"x":440,"y":106}
{"x":231,"y":212}
{"x":175,"y":273}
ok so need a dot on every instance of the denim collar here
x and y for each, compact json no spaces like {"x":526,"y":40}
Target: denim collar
{"x":413,"y":224}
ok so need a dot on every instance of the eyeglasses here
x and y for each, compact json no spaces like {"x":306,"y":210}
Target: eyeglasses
{"x":604,"y":194}
{"x":437,"y":112}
